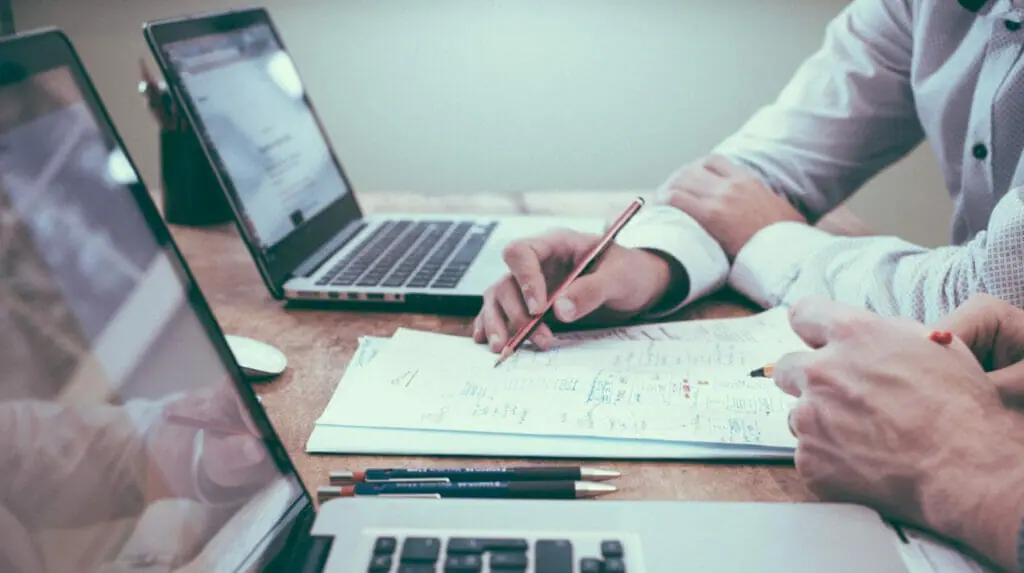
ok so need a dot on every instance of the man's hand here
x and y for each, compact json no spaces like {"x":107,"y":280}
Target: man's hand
{"x":890,"y":419}
{"x":624,"y":283}
{"x":729,"y":202}
{"x":994,"y":330}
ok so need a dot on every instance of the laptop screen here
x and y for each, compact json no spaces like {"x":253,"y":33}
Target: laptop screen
{"x":263,"y":134}
{"x":124,"y":440}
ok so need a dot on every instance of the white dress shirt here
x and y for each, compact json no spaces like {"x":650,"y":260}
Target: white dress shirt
{"x":889,"y":74}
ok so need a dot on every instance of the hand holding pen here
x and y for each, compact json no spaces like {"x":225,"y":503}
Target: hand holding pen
{"x":590,"y":259}
{"x":941,"y":337}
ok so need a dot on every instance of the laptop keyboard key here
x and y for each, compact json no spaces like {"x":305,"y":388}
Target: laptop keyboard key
{"x":590,"y":565}
{"x":380,"y":564}
{"x":416,"y":568}
{"x":421,"y":550}
{"x":461,"y":545}
{"x":614,"y":565}
{"x":611,"y":549}
{"x":504,"y":560}
{"x":553,"y":556}
{"x":468,"y":563}
{"x":385,"y":546}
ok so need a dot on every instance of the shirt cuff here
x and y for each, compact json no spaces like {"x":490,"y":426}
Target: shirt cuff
{"x":670,"y":231}
{"x":768,"y":264}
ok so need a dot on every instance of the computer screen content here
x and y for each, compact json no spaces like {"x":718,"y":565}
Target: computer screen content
{"x":123,"y":440}
{"x":265,"y":138}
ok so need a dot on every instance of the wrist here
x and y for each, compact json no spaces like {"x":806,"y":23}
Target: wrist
{"x":976,"y":496}
{"x":670,"y":281}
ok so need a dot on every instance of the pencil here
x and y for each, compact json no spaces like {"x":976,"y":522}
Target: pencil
{"x":595,"y":252}
{"x":943,"y":337}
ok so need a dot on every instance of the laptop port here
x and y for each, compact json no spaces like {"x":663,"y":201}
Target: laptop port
{"x":374,"y":296}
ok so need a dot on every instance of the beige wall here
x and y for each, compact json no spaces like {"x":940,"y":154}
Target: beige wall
{"x":474,"y":95}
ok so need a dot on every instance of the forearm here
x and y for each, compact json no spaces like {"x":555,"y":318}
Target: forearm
{"x":787,"y":262}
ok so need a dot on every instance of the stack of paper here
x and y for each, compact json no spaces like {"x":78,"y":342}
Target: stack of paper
{"x":674,"y":390}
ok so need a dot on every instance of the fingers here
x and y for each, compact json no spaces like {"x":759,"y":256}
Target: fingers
{"x":525,"y":258}
{"x":818,"y":321}
{"x":503,"y":313}
{"x":791,"y":373}
{"x":1010,"y":383}
{"x":722,"y":167}
{"x":582,"y":297}
{"x":979,"y":322}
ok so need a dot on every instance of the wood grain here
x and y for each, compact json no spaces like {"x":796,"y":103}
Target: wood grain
{"x":319,"y":344}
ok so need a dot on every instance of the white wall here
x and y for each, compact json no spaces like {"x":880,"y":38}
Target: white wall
{"x":474,"y":95}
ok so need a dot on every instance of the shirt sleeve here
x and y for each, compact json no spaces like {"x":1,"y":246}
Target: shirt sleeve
{"x":674,"y":234}
{"x":788,"y":261}
{"x":847,"y":113}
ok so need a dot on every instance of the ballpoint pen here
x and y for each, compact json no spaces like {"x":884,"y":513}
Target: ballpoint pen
{"x":476,"y":489}
{"x":592,"y":256}
{"x":380,"y":475}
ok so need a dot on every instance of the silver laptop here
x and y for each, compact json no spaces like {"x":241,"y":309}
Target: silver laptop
{"x":297,"y":212}
{"x":130,"y":441}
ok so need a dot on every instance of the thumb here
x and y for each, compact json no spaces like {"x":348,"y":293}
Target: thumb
{"x":582,"y":297}
{"x":1010,"y":383}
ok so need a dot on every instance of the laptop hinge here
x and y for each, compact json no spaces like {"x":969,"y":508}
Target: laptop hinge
{"x":318,"y":258}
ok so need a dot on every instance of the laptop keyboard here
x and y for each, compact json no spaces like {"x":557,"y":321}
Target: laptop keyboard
{"x":412,"y":254}
{"x":500,"y":555}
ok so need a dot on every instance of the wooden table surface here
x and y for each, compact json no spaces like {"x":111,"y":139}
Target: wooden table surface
{"x":319,"y":344}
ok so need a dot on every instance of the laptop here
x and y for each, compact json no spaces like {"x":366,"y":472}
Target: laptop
{"x":294,"y":205}
{"x":129,"y":440}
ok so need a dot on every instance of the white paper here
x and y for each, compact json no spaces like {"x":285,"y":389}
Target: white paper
{"x":652,"y":390}
{"x":768,"y":326}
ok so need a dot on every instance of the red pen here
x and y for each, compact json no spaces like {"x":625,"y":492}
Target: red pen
{"x":595,"y":252}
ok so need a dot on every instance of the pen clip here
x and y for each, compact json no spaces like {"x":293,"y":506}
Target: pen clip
{"x":420,"y":495}
{"x":409,"y":480}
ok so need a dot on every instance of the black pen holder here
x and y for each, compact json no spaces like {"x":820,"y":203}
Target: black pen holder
{"x":192,"y":195}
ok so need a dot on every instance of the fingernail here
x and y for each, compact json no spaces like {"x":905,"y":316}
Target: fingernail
{"x":533,"y":305}
{"x":566,"y":309}
{"x":494,"y":340}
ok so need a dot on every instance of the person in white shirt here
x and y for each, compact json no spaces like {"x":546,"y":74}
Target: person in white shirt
{"x":890,"y":74}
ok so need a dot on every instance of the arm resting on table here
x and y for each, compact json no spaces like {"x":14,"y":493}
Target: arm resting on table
{"x":788,"y":261}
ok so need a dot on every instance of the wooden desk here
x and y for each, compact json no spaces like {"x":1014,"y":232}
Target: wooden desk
{"x":319,"y":344}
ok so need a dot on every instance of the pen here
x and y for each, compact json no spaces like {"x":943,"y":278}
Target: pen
{"x":943,"y":337}
{"x":473,"y":489}
{"x":592,"y":256}
{"x":447,"y":475}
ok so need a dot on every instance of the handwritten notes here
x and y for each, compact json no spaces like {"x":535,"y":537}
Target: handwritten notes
{"x":692,"y":387}
{"x":767,"y":327}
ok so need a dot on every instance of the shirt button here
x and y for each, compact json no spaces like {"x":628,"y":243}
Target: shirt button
{"x":1011,"y":25}
{"x":980,"y":151}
